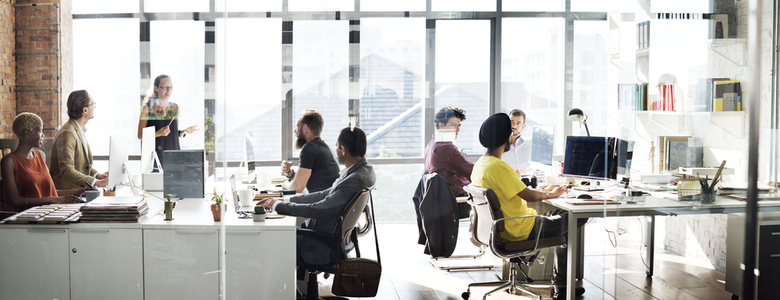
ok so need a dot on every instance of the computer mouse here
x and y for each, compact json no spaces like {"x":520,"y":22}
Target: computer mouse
{"x":584,"y":196}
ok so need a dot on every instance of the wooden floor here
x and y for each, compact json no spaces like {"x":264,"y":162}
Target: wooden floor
{"x":610,"y":272}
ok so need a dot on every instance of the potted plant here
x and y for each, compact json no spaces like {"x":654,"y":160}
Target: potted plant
{"x":259,"y":215}
{"x":215,"y":208}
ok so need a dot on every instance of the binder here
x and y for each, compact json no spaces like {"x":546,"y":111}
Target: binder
{"x":727,"y":96}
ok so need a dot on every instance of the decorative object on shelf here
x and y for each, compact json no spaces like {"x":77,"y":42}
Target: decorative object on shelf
{"x":576,"y":115}
{"x":168,"y":208}
{"x":259,"y":215}
{"x":651,"y":158}
{"x":663,"y":155}
{"x":216,"y":210}
{"x":728,"y":96}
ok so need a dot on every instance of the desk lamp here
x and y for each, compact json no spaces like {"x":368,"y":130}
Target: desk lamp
{"x":576,"y":115}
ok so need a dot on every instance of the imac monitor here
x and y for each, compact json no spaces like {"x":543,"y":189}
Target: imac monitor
{"x":249,"y":152}
{"x":597,"y":157}
{"x":542,"y":145}
{"x":117,"y":157}
{"x":147,"y":150}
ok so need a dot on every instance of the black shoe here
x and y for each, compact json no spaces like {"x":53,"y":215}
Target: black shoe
{"x":578,"y":291}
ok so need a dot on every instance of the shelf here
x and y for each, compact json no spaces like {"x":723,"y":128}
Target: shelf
{"x":666,"y":120}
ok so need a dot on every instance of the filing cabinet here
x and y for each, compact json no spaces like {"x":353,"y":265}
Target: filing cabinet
{"x":768,"y":254}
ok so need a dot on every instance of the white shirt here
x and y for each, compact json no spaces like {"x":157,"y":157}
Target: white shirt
{"x":86,"y":144}
{"x":519,"y":155}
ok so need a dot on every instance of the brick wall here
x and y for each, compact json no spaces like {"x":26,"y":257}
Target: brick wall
{"x":36,"y":61}
{"x":7,"y":68}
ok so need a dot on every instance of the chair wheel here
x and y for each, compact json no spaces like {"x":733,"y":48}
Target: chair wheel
{"x":465,"y":295}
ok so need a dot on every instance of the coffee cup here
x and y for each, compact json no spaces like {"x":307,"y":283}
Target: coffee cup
{"x":91,"y":195}
{"x":263,"y":180}
{"x":246,"y":196}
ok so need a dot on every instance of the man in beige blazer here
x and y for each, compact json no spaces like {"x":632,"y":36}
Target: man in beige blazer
{"x":71,"y":158}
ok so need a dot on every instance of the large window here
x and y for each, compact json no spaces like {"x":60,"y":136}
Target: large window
{"x":532,"y":72}
{"x":321,"y":73}
{"x":248,"y":89}
{"x":463,"y":76}
{"x":392,"y":74}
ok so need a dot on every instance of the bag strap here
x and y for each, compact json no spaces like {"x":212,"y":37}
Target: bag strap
{"x":373,"y":221}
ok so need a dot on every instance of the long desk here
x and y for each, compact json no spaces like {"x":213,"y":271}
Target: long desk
{"x":653,"y":206}
{"x":151,"y":259}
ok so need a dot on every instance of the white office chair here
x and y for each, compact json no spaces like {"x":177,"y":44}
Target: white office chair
{"x":488,"y":220}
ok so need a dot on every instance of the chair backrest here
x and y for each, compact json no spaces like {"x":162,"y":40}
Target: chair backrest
{"x":482,"y":217}
{"x":349,"y":217}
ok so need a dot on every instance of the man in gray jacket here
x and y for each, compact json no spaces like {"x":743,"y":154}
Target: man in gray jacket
{"x":324,"y":207}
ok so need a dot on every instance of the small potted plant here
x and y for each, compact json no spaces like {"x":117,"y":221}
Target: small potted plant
{"x":259,"y":215}
{"x":215,"y":208}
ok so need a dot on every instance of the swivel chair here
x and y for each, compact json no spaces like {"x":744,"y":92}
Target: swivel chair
{"x":437,"y":220}
{"x":343,"y":240}
{"x":489,"y":221}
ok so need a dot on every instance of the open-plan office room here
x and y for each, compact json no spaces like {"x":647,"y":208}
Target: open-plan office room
{"x":676,"y":99}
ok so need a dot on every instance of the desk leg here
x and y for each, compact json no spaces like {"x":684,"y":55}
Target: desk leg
{"x":581,"y":253}
{"x":650,"y":243}
{"x":572,"y":256}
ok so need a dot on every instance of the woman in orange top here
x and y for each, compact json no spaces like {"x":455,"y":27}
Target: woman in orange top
{"x":26,"y":180}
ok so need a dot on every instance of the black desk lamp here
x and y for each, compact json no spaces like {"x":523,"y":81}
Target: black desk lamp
{"x":576,"y":115}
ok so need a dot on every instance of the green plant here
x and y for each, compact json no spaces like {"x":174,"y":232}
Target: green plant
{"x":217,"y":198}
{"x":259,"y":209}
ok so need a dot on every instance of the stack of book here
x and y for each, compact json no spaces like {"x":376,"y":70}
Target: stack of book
{"x":52,"y":213}
{"x":115,"y":209}
{"x":717,"y":94}
{"x":632,"y":97}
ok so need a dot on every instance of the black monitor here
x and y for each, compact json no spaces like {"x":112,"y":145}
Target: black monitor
{"x":597,"y":157}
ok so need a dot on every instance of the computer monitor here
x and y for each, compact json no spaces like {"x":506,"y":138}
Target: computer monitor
{"x":542,"y":144}
{"x":117,"y":157}
{"x":249,"y":152}
{"x":597,"y":157}
{"x":148,"y":154}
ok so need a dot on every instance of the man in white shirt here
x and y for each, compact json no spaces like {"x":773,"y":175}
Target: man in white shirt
{"x":519,"y":155}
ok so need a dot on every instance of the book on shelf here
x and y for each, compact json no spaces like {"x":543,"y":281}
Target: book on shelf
{"x":625,"y":96}
{"x":727,"y":96}
{"x":667,"y":101}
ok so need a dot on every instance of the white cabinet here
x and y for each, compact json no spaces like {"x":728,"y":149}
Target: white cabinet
{"x":106,"y":263}
{"x":34,"y":263}
{"x":260,"y":264}
{"x":181,"y":264}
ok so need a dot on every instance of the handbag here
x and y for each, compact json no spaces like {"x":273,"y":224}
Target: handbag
{"x":359,"y":277}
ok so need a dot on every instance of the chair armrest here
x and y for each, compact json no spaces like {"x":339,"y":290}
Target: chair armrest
{"x":493,"y":232}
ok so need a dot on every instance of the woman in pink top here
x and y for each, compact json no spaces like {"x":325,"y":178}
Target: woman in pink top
{"x":26,"y":180}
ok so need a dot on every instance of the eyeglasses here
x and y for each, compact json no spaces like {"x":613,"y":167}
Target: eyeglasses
{"x":167,"y":88}
{"x":93,"y":103}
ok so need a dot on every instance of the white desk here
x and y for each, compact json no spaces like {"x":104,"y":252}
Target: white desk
{"x":652,"y":207}
{"x":152,"y":259}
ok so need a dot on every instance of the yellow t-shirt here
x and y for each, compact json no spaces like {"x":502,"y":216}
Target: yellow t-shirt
{"x":497,"y":175}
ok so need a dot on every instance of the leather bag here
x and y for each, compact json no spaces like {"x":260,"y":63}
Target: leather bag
{"x":359,"y":277}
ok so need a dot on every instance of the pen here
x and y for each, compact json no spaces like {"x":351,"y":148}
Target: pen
{"x":89,"y":185}
{"x":169,"y":123}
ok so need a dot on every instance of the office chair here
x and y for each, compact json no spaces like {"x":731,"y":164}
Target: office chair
{"x":489,"y":221}
{"x":438,"y":217}
{"x":343,"y":240}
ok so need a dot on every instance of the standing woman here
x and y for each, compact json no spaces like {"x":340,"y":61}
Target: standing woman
{"x":164,"y":116}
{"x":26,"y":180}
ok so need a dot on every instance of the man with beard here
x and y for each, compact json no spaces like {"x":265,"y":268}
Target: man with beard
{"x":71,"y":156}
{"x":324,"y":207}
{"x":493,"y":173}
{"x":317,"y":169}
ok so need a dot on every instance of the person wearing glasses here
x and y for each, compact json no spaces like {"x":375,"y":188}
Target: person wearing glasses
{"x":71,"y":156}
{"x":26,"y":180}
{"x":159,"y":112}
{"x":443,"y":157}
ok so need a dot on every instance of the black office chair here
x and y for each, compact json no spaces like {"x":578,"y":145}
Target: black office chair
{"x":438,"y":214}
{"x":489,"y":221}
{"x":341,"y":242}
